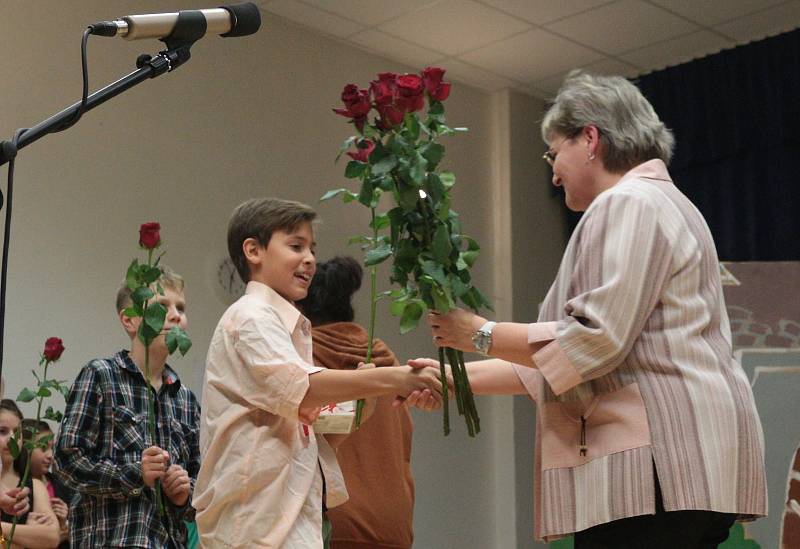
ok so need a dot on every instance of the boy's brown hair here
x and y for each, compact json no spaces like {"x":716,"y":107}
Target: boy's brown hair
{"x":258,"y":218}
{"x":168,"y":279}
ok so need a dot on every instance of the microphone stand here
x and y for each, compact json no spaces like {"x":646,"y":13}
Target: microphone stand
{"x":189,"y":27}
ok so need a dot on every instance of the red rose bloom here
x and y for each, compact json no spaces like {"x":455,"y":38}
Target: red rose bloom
{"x":53,"y":348}
{"x":149,"y":235}
{"x":364,"y":149}
{"x":410,"y":91}
{"x":432,"y":78}
{"x":357,"y":105}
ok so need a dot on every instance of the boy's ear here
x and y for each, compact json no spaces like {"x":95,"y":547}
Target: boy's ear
{"x":252,"y":249}
{"x":129,"y":324}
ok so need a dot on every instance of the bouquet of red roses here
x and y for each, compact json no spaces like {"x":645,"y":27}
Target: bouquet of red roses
{"x":396,"y":152}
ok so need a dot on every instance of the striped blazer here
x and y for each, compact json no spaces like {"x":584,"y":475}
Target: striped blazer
{"x":634,"y":369}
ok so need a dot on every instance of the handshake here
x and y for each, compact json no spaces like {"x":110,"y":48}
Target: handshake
{"x":416,"y":384}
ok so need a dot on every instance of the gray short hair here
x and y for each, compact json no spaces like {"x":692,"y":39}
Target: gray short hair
{"x":630,"y":130}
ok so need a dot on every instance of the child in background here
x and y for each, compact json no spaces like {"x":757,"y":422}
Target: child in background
{"x":37,"y":529}
{"x":41,"y":461}
{"x":376,"y":459}
{"x":104,"y":451}
{"x":13,"y":502}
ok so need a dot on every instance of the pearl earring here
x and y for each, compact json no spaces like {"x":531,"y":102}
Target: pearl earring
{"x":591,"y":156}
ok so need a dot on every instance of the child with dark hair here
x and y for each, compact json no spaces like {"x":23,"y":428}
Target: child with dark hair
{"x":376,"y":459}
{"x":13,"y":502}
{"x":39,"y":527}
{"x":41,"y":461}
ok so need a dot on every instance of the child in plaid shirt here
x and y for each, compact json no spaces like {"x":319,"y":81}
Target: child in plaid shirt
{"x":104,"y":451}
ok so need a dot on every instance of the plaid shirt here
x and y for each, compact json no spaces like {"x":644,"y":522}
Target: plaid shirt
{"x":99,"y":449}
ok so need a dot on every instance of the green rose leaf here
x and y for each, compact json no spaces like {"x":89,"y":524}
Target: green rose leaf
{"x":381,"y":222}
{"x":442,"y":300}
{"x":345,"y":146}
{"x":367,"y":195}
{"x":412,"y":125}
{"x":43,"y":392}
{"x":13,"y":447}
{"x":433,"y":153}
{"x":141,"y":295}
{"x":132,"y":312}
{"x":131,"y":278}
{"x":377,"y":255}
{"x":397,"y":307}
{"x":26,"y":395}
{"x":177,"y":339}
{"x":355,"y":169}
{"x":332,"y":194}
{"x":441,"y":244}
{"x":43,"y":441}
{"x":150,"y":274}
{"x":384,"y":165}
{"x":184,"y":343}
{"x":448,"y":179}
{"x":418,"y":170}
{"x":53,"y":415}
{"x":411,"y":315}
{"x":63,"y":388}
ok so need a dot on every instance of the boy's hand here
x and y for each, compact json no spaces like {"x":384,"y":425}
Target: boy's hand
{"x":424,"y":399}
{"x":60,"y":509}
{"x":176,"y":485}
{"x":15,"y":502}
{"x":154,"y":463}
{"x":418,"y":379}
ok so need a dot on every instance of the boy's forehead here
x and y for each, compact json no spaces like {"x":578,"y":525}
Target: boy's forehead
{"x":303,"y":230}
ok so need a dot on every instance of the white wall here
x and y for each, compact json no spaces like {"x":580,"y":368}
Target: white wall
{"x":245,"y":117}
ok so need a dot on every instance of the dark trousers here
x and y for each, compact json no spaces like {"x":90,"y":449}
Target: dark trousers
{"x":664,"y":530}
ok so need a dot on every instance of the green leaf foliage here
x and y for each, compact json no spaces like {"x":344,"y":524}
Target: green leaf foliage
{"x":178,"y":340}
{"x":411,"y":315}
{"x":377,"y":255}
{"x":141,"y":295}
{"x":26,"y":395}
{"x":132,"y":275}
{"x":53,"y":415}
{"x":355,"y":169}
{"x":13,"y":447}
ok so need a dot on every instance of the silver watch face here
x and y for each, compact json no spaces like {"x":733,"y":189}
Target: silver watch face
{"x":482,"y":341}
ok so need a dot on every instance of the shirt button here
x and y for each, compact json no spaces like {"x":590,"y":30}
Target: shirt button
{"x":136,"y":491}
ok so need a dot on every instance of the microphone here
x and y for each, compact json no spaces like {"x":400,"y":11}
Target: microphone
{"x":227,"y":21}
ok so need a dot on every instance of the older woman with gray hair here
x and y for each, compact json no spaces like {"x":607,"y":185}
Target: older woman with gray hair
{"x":647,"y":431}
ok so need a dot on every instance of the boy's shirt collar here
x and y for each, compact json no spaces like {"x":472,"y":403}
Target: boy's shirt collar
{"x":169,"y":377}
{"x":287,"y":312}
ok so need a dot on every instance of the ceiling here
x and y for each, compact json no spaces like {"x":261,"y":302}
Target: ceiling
{"x":529,"y":45}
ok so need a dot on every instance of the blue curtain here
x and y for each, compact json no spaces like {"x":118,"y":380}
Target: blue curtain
{"x":736,"y":118}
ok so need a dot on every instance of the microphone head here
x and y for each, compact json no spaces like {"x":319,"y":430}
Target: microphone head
{"x":245,"y":19}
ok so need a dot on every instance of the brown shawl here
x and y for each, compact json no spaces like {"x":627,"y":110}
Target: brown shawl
{"x":375,"y":460}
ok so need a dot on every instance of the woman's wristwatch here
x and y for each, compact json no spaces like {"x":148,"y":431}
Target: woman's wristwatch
{"x":482,"y":339}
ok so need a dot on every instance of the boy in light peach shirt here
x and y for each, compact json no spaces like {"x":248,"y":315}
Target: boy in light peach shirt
{"x":263,"y":472}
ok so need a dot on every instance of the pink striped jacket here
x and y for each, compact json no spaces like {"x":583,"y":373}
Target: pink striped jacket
{"x":635,"y":368}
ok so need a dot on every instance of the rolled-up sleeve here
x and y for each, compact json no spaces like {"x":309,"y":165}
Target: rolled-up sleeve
{"x":277,"y":378}
{"x":620,"y":270}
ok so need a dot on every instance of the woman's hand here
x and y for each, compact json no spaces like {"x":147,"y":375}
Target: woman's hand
{"x":424,"y":400}
{"x":455,"y":329}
